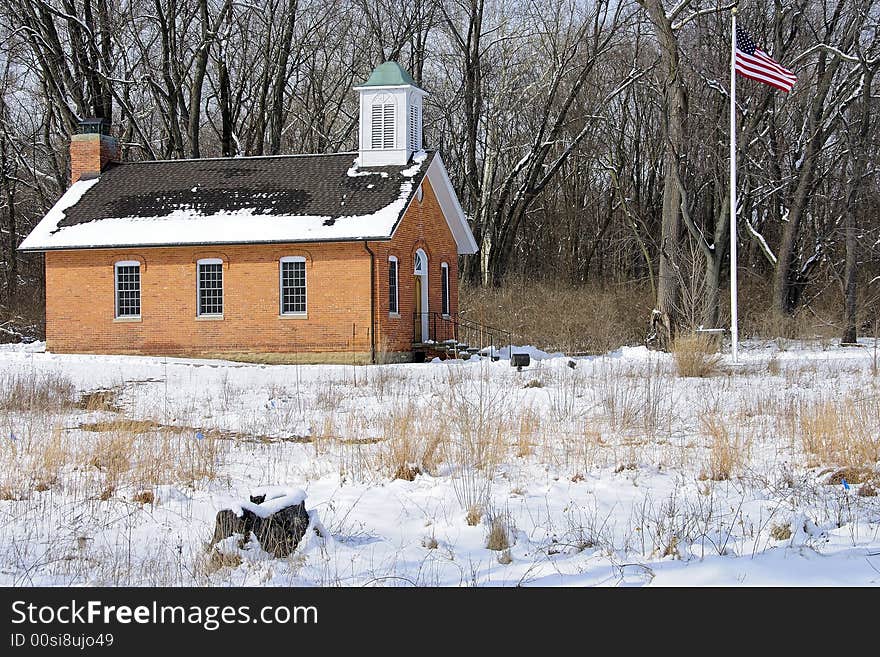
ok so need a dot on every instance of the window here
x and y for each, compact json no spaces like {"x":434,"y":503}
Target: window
{"x":382,"y":122}
{"x":211,"y":287}
{"x":293,"y":285}
{"x":419,"y":263}
{"x":444,"y":288}
{"x":392,"y":286}
{"x":128,"y":289}
{"x":415,"y":129}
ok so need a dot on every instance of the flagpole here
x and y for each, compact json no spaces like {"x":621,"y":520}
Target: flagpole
{"x":734,"y":319}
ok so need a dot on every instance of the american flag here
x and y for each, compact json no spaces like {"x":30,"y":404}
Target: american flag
{"x":752,"y":62}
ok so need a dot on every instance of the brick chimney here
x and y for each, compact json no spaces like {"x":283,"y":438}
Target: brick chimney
{"x":92,"y":148}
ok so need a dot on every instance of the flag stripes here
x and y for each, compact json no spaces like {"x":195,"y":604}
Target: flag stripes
{"x":753,"y":63}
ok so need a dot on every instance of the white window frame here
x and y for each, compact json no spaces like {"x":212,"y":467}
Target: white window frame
{"x":210,"y":261}
{"x":116,"y":266}
{"x":298,"y":313}
{"x":396,"y":311}
{"x":445,"y":299}
{"x":420,"y":263}
{"x":426,"y":298}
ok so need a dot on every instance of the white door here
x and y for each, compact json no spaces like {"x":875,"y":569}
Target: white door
{"x":420,"y":270}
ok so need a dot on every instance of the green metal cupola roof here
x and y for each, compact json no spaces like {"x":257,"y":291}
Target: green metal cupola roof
{"x":389,"y":74}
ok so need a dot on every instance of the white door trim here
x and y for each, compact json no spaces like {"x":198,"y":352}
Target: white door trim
{"x":422,"y":272}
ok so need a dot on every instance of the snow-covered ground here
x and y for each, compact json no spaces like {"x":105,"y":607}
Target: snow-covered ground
{"x":606,"y":470}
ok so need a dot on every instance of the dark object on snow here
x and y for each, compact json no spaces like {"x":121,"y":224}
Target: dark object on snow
{"x":519,"y":360}
{"x":278,"y":533}
{"x":571,"y":364}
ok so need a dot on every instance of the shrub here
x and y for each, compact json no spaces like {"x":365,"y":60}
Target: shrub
{"x":498,"y":537}
{"x":695,"y":356}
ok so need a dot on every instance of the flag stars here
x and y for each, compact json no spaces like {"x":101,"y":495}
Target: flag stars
{"x":744,"y":41}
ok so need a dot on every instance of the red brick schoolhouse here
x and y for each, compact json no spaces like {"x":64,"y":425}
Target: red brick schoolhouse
{"x":347,"y":257}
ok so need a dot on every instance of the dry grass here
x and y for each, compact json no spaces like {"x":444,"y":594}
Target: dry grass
{"x":99,"y":400}
{"x":217,"y":560}
{"x":728,"y":451}
{"x":780,"y":532}
{"x":820,"y":320}
{"x":852,"y":475}
{"x":473,"y":515}
{"x":471,"y":429}
{"x":583,"y":319}
{"x":129,"y":455}
{"x":595,"y":318}
{"x":144,"y":497}
{"x":528,"y":432}
{"x":121,"y":424}
{"x":27,"y":391}
{"x":498,"y":536}
{"x":413,"y":442}
{"x":695,"y":356}
{"x":842,"y":432}
{"x":111,"y":456}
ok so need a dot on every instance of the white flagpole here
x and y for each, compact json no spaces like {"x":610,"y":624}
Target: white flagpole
{"x":734,"y":320}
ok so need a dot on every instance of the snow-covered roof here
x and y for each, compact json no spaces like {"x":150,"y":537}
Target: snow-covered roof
{"x":306,"y":198}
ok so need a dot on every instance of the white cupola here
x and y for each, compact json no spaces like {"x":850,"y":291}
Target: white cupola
{"x":390,"y":129}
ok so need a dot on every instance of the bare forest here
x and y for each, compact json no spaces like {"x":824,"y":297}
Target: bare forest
{"x":587,"y":139}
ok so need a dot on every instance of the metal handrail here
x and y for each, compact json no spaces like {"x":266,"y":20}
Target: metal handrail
{"x":446,"y":329}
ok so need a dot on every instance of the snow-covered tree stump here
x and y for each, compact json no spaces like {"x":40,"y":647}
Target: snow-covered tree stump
{"x":276,"y":517}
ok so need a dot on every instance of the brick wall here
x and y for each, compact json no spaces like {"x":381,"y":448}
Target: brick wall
{"x":423,"y":226}
{"x":80,"y":302}
{"x":80,"y":297}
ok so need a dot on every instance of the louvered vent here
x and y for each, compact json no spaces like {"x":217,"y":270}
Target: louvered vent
{"x":382,"y":119}
{"x":415,"y":129}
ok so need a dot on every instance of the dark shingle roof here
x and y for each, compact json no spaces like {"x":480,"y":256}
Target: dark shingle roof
{"x":307,"y":185}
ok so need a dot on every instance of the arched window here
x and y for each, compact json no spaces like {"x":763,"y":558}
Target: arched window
{"x":444,"y":288}
{"x":419,"y":263}
{"x":393,"y":307}
{"x":382,"y":122}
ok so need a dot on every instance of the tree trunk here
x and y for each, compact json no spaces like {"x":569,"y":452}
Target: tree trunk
{"x":784,"y":278}
{"x":11,"y":231}
{"x":200,"y":65}
{"x":850,"y":296}
{"x":665,"y":316}
{"x":276,"y":110}
{"x":227,"y":147}
{"x":859,"y":148}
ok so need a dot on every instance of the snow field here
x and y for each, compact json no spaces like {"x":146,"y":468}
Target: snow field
{"x":616,"y":471}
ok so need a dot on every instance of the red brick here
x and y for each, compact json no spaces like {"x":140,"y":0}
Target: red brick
{"x":80,"y":295}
